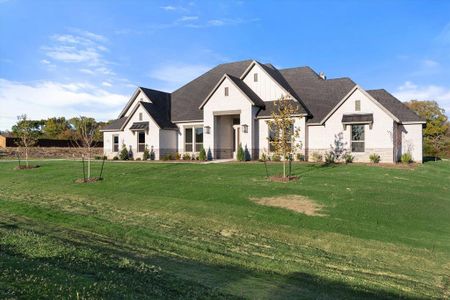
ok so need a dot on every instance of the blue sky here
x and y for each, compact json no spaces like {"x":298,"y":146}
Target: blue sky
{"x":69,"y":58}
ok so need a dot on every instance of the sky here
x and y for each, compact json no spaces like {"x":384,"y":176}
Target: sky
{"x":71,"y":58}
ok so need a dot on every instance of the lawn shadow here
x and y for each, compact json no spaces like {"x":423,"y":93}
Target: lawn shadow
{"x":100,"y":267}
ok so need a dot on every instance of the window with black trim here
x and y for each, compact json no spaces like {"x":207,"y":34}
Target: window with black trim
{"x":141,"y":141}
{"x":198,"y":139}
{"x":357,"y":138}
{"x":115,"y":143}
{"x":188,"y":147}
{"x":273,"y":132}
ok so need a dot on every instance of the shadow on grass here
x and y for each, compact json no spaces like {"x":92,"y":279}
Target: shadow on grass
{"x":94,"y":266}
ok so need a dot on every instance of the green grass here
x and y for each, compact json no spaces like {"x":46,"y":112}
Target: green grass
{"x":155,"y":230}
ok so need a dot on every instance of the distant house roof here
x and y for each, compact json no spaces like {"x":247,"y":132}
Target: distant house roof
{"x":395,"y":106}
{"x":357,"y":118}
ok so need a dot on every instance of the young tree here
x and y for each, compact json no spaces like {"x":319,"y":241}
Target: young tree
{"x":284,"y":132}
{"x":26,"y":131}
{"x":85,"y":137}
{"x":437,"y":126}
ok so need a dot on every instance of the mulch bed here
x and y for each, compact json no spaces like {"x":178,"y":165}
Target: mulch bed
{"x":283,"y":179}
{"x":88,"y":180}
{"x":24,"y":167}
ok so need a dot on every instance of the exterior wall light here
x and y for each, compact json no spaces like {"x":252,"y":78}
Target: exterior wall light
{"x":244,"y":128}
{"x":207,"y":129}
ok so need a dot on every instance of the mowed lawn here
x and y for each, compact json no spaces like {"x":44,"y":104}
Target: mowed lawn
{"x":169,"y":230}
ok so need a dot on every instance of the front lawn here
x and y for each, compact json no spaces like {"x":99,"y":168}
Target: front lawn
{"x":193,"y":231}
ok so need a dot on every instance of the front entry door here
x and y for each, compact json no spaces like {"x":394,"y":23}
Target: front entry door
{"x":236,"y":139}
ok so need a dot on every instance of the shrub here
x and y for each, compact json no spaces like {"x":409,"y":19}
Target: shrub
{"x":177,"y":156}
{"x":193,"y":157}
{"x":146,"y":154}
{"x":330,"y":158}
{"x":374,"y":158}
{"x":123,"y":155}
{"x":247,"y":155}
{"x":186,"y":156}
{"x":300,"y":157}
{"x":348,"y":158}
{"x":240,"y":153}
{"x":138,"y":158}
{"x":115,"y":158}
{"x":202,"y":155}
{"x":406,"y":158}
{"x":317,"y":157}
{"x":209,"y":154}
{"x":97,"y":157}
{"x":169,"y":156}
{"x":276,"y":157}
{"x":152,"y":154}
{"x":263,"y":157}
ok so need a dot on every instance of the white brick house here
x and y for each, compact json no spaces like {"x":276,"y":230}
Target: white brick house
{"x":230,"y":105}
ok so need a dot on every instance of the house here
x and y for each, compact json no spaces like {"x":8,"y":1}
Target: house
{"x":231,"y":104}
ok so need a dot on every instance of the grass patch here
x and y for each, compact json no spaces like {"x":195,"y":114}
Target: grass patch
{"x":190,"y":231}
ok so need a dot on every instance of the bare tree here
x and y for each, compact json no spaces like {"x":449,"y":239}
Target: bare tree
{"x":25,"y":131}
{"x":284,"y":132}
{"x":86,"y":136}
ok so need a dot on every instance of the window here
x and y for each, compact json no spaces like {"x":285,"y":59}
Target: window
{"x":115,"y":143}
{"x":271,"y":139}
{"x":188,"y":140}
{"x":198,"y":138}
{"x":358,"y":105}
{"x":140,"y":116}
{"x":193,"y":139}
{"x":141,"y":141}
{"x":273,"y":132}
{"x":255,"y":77}
{"x":357,"y":138}
{"x":226,"y":91}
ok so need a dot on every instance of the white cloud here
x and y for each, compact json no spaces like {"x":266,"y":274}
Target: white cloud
{"x":80,"y":47}
{"x":174,"y":76}
{"x":45,"y":62}
{"x":188,"y":18}
{"x":45,"y":99}
{"x":410,"y":91}
{"x":106,"y":83}
{"x":429,"y":63}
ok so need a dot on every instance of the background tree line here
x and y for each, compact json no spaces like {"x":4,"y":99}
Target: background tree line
{"x":436,"y":135}
{"x":58,"y":128}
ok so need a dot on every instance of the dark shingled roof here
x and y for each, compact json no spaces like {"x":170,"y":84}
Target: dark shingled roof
{"x":115,"y":124}
{"x":139,"y":125}
{"x":363,"y":118}
{"x":248,"y":91}
{"x":395,"y":106}
{"x":187,"y":99}
{"x":270,"y":107}
{"x":318,"y":95}
{"x":159,"y":109}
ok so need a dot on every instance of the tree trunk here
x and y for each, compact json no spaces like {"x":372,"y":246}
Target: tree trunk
{"x":284,"y":168}
{"x":26,"y":156}
{"x":89,"y":164}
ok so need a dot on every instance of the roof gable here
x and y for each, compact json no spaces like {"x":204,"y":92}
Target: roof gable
{"x":185,"y":101}
{"x":395,"y":106}
{"x":241,"y":86}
